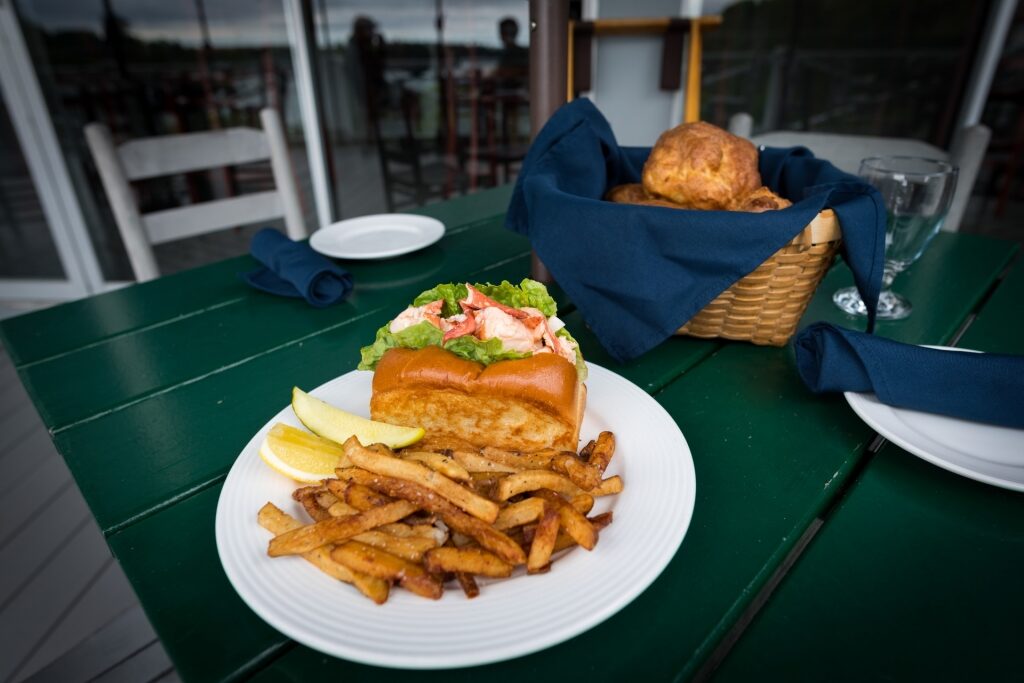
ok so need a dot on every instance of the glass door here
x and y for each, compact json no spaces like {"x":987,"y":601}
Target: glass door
{"x":45,"y":253}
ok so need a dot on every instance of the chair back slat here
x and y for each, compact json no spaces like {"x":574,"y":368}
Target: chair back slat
{"x":188,"y":221}
{"x":170,"y":154}
{"x":119,"y":165}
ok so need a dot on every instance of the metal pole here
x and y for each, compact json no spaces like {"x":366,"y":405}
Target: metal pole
{"x":549,"y":60}
{"x":302,"y":62}
{"x":999,"y":20}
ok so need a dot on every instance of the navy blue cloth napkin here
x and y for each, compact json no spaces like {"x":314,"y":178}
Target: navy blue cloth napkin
{"x":294,"y":269}
{"x":638,"y":273}
{"x":982,"y":387}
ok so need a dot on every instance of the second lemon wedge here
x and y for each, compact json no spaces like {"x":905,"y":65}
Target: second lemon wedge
{"x":300,"y":455}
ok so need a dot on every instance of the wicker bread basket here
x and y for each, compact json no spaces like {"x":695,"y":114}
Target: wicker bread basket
{"x":765,"y":306}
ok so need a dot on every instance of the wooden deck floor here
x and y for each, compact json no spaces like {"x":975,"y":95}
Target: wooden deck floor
{"x":67,"y":612}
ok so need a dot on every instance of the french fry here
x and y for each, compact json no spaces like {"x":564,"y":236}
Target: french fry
{"x":587,"y":450}
{"x":342,"y":509}
{"x":409,"y":548}
{"x":439,"y":462}
{"x":438,"y":443}
{"x":457,"y":520}
{"x":597,"y":521}
{"x":326,"y":499}
{"x":474,"y":462}
{"x":375,"y":562}
{"x":543,"y":543}
{"x":541,"y":460}
{"x":390,"y":466}
{"x":363,"y":497}
{"x":356,"y":474}
{"x":402,"y":530}
{"x":468,"y":584}
{"x":574,"y":523}
{"x":337,"y":529}
{"x":476,"y":561}
{"x":518,"y":514}
{"x":583,"y":474}
{"x":583,"y":503}
{"x":531,"y":480}
{"x":276,"y":521}
{"x":603,"y":451}
{"x":311,"y":504}
{"x":484,"y":483}
{"x":608,"y":487}
{"x":303,"y":491}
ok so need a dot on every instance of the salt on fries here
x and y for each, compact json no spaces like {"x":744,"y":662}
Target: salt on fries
{"x":442,"y":511}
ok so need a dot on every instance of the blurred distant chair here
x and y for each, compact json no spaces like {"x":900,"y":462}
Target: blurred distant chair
{"x":415,"y":169}
{"x":846,"y":152}
{"x":143,"y":158}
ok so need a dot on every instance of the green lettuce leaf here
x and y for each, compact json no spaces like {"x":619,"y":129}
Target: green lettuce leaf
{"x":581,"y":367}
{"x":450,"y":292}
{"x":527,"y":293}
{"x":485,"y":352}
{"x":414,"y":337}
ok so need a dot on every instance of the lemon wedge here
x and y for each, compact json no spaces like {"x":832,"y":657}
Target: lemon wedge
{"x":335,"y":424}
{"x":300,"y":455}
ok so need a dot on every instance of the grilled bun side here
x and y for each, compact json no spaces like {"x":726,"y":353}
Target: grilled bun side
{"x":526,"y":404}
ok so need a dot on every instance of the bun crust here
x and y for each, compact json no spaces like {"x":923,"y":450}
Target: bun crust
{"x":634,"y":193}
{"x":526,"y":404}
{"x":760,"y":200}
{"x":701,"y":166}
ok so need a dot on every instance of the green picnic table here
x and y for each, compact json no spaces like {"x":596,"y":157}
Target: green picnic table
{"x":803,"y":538}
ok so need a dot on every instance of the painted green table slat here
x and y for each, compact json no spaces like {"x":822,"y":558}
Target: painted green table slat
{"x":73,"y":325}
{"x":919,"y":567}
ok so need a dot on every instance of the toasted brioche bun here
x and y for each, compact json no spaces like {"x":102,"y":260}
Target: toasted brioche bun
{"x":524,"y":405}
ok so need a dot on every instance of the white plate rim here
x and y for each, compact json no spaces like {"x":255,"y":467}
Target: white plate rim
{"x":430,"y":231}
{"x":675,"y":523}
{"x":874,"y":413}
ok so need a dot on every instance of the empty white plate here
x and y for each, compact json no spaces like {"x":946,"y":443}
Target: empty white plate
{"x":379,"y":236}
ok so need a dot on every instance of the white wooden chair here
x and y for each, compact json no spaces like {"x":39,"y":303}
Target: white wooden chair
{"x":846,"y":152}
{"x":143,"y":158}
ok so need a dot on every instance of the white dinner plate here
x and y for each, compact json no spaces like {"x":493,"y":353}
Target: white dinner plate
{"x":984,"y":452}
{"x":379,"y":236}
{"x":510,"y":617}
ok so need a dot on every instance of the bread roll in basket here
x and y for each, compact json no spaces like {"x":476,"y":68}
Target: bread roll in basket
{"x":700,"y":166}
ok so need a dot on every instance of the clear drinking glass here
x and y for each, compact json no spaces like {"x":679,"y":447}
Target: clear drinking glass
{"x":917,"y":194}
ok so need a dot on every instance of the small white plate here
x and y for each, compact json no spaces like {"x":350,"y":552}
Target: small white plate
{"x":987,"y":453}
{"x":379,"y":236}
{"x":511,"y":617}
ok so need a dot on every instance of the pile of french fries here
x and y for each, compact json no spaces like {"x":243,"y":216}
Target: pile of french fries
{"x":444,"y":510}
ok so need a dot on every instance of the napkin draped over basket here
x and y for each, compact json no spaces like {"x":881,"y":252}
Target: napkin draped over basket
{"x":640,"y":273}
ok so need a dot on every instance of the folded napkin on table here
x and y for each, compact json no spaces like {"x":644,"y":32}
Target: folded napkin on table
{"x":638,"y":273}
{"x":294,"y":269}
{"x":983,"y":387}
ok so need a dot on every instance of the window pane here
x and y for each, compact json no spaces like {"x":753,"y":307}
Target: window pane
{"x":422,"y":100}
{"x":834,"y":66}
{"x":26,"y":246}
